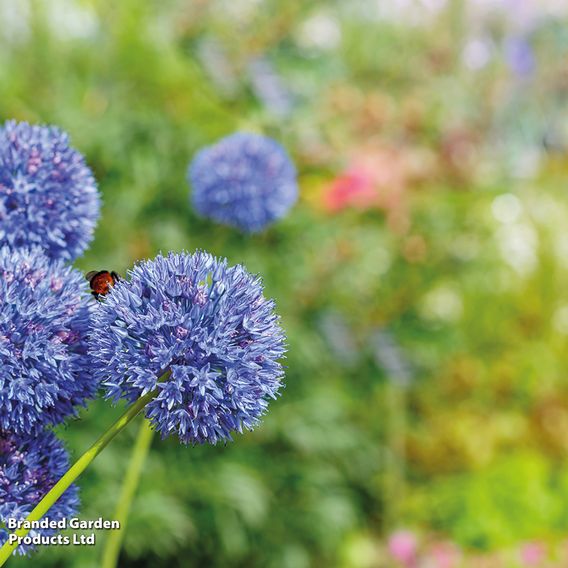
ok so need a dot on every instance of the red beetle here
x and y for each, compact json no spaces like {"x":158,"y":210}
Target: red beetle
{"x":101,"y":282}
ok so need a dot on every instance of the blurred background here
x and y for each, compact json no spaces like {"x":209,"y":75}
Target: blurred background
{"x":422,"y":277}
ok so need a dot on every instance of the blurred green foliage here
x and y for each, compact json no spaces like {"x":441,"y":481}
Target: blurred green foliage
{"x":461,"y":261}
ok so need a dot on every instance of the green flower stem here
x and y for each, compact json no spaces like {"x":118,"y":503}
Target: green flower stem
{"x":78,"y":468}
{"x":139,"y":453}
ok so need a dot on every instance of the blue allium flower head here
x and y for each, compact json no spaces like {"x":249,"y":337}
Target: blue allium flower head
{"x":48,"y":196}
{"x":44,"y":319}
{"x":29,"y":467}
{"x":245,"y":180}
{"x":206,"y":322}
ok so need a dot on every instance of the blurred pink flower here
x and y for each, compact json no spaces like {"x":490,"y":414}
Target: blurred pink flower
{"x":444,"y":555}
{"x":353,"y":188}
{"x":403,"y":547}
{"x":378,"y":177}
{"x":375,"y":177}
{"x":532,"y":553}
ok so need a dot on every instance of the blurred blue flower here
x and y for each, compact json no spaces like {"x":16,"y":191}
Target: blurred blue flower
{"x":48,"y":195}
{"x":391,"y":358}
{"x":520,"y":56}
{"x":270,"y":88}
{"x":245,"y":180}
{"x":29,"y":467}
{"x":44,"y":316}
{"x":207,"y":323}
{"x":339,"y":337}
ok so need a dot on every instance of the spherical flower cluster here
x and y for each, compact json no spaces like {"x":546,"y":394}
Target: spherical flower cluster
{"x":29,"y":467}
{"x":245,"y":180}
{"x":44,"y":318}
{"x":48,"y":196}
{"x":208,"y":325}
